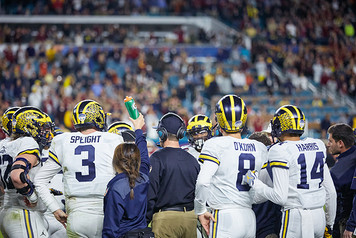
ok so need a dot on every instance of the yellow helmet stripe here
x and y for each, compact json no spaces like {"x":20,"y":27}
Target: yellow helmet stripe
{"x":298,"y":119}
{"x":126,"y":126}
{"x":77,"y":113}
{"x":86,"y":106}
{"x":290,"y":115}
{"x":224,"y":116}
{"x":242,"y":109}
{"x":233,"y":116}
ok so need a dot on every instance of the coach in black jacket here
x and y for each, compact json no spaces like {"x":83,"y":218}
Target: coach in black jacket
{"x":341,"y":142}
{"x":172,"y":183}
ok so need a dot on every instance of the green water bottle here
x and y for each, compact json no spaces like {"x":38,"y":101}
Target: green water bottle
{"x":131,"y":107}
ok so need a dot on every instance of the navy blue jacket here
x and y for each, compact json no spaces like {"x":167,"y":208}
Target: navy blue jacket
{"x":351,"y":223}
{"x":342,"y":174}
{"x":121,"y":214}
{"x":172,"y":179}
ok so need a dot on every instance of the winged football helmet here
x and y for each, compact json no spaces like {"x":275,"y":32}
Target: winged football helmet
{"x":288,"y":119}
{"x":31,"y":121}
{"x":6,"y":120}
{"x":123,"y":129}
{"x":89,"y":113}
{"x":231,"y":113}
{"x":197,"y":125}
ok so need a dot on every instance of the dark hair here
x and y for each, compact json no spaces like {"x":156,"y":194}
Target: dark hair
{"x":261,"y":137}
{"x":127,"y":158}
{"x":85,"y":127}
{"x":344,"y":133}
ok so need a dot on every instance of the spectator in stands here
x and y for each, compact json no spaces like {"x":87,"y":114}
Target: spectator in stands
{"x":324,"y":125}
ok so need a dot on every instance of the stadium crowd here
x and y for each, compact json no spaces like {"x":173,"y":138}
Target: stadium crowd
{"x":304,"y":39}
{"x":40,"y":73}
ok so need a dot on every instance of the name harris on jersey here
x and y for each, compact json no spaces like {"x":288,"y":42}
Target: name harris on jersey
{"x":307,"y":146}
{"x":85,"y":139}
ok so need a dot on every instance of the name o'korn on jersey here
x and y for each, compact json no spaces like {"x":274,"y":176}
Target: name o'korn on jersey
{"x":244,"y":146}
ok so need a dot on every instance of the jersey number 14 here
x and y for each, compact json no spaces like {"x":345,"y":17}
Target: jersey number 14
{"x":314,"y":174}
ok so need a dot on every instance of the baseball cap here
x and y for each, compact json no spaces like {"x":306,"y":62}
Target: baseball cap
{"x":171,"y":122}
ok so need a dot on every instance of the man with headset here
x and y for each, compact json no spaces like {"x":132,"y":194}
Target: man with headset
{"x":172,"y":183}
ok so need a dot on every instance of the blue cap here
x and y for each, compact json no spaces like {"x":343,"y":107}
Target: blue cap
{"x":171,"y":122}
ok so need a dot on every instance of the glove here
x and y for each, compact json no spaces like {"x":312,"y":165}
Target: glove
{"x":328,"y":232}
{"x":249,"y":178}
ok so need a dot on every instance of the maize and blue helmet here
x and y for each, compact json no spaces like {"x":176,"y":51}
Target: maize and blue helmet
{"x":6,"y":120}
{"x":288,"y":119}
{"x":31,"y":121}
{"x":123,"y":129}
{"x":231,"y":113}
{"x":89,"y":114}
{"x":199,"y":124}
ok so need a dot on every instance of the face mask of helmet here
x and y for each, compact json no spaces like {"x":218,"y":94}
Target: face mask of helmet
{"x":45,"y":135}
{"x":197,"y":138}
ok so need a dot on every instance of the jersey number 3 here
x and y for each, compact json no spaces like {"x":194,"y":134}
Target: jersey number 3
{"x":86,"y":162}
{"x":314,"y":174}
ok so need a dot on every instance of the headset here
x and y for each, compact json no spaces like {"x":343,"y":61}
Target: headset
{"x":162,"y":132}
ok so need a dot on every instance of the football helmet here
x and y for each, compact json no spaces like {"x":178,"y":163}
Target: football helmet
{"x":288,"y":119}
{"x":6,"y":120}
{"x":89,"y":113}
{"x":57,"y":131}
{"x":198,"y":125}
{"x":31,"y":121}
{"x":123,"y":129}
{"x":231,"y":113}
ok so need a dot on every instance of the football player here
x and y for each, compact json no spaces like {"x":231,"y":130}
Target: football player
{"x":5,"y":165}
{"x":123,"y":129}
{"x":85,"y":158}
{"x":198,"y":131}
{"x":302,"y":184}
{"x":55,"y":228}
{"x":31,"y":132}
{"x":226,"y":159}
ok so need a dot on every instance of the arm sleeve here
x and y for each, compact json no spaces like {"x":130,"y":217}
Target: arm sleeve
{"x":331,"y":197}
{"x":153,"y":188}
{"x":113,"y":213}
{"x":210,"y":158}
{"x":142,"y":146}
{"x":202,"y":186}
{"x":277,"y":156}
{"x":42,"y":178}
{"x":279,"y":193}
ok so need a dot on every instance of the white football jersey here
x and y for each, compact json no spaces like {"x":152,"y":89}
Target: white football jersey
{"x":226,"y":159}
{"x":190,"y":149}
{"x":305,"y":161}
{"x":8,"y":152}
{"x":86,"y":161}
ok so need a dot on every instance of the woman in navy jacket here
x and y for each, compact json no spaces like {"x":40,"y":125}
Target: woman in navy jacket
{"x":125,"y":201}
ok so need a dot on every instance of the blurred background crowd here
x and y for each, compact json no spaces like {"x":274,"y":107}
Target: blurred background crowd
{"x":301,"y":52}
